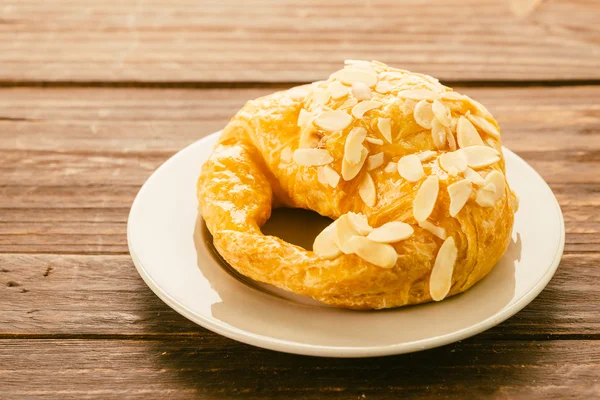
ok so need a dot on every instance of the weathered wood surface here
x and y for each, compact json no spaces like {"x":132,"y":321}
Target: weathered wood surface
{"x":215,"y":367}
{"x":293,"y":40}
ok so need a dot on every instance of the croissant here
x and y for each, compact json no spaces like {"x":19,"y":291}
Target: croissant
{"x":411,"y":173}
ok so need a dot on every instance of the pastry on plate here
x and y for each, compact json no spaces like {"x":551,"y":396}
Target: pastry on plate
{"x":410,"y":172}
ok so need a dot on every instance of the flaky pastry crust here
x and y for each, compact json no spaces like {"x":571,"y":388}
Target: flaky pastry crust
{"x":253,"y":168}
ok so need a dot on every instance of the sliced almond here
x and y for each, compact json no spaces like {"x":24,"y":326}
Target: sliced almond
{"x":375,"y":141}
{"x":343,"y":232}
{"x":309,"y":137}
{"x":453,"y":96}
{"x":391,"y":167}
{"x":459,"y":193}
{"x":312,"y":157}
{"x":367,"y":191}
{"x":353,"y":146}
{"x":441,"y":274}
{"x":383,"y":87}
{"x":348,"y":76}
{"x":375,"y":161}
{"x":410,"y":168}
{"x":332,"y":121}
{"x":304,"y":117}
{"x":325,"y":245}
{"x":434,"y":229}
{"x":321,"y":175}
{"x":361,"y":91}
{"x":426,"y":198}
{"x":466,"y":134}
{"x":481,"y":156}
{"x":391,"y":232}
{"x":493,"y":189}
{"x":331,"y":177}
{"x":484,"y":125}
{"x":337,"y":90}
{"x":351,"y":102}
{"x":479,"y":107}
{"x":451,"y":140}
{"x":349,"y":171}
{"x":385,"y":127}
{"x":423,"y":114}
{"x":360,"y":223}
{"x":299,"y":93}
{"x":442,"y":113}
{"x":381,"y":255}
{"x":438,"y":134}
{"x":474,"y":177}
{"x":320,"y":97}
{"x":361,"y":108}
{"x":426,"y":155}
{"x":418,"y":94}
{"x":453,"y":162}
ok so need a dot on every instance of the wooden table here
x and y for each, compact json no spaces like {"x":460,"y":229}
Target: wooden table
{"x":96,"y":94}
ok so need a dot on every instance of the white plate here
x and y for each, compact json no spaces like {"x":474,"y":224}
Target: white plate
{"x":174,"y":255}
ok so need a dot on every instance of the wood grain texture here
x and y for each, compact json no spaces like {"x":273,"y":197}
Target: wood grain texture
{"x":104,"y":295}
{"x":72,"y":160}
{"x":213,"y":367}
{"x":290,"y":41}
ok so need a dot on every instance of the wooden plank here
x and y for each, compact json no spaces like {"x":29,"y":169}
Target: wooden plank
{"x":293,"y":40}
{"x":213,"y":367}
{"x":47,"y":294}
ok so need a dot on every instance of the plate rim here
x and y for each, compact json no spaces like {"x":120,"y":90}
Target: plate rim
{"x":292,"y":347}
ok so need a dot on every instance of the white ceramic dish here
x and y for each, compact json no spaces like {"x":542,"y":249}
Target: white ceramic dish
{"x":172,"y":251}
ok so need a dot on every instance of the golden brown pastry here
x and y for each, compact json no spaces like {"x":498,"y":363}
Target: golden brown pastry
{"x":411,"y":172}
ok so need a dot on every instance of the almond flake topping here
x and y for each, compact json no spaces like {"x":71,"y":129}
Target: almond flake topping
{"x":410,"y":168}
{"x":332,"y":121}
{"x":353,"y":146}
{"x":343,"y":232}
{"x":481,"y":156}
{"x":453,"y":96}
{"x":349,"y":171}
{"x":305,"y":117}
{"x":459,"y":194}
{"x":418,"y":94}
{"x":480,"y":108}
{"x":375,"y":141}
{"x":337,"y":90}
{"x":434,"y":229}
{"x":383,"y":87}
{"x":426,"y":198}
{"x":391,"y":167}
{"x":484,"y":125}
{"x":426,"y":155}
{"x":451,"y":140}
{"x":385,"y":127}
{"x":331,"y":177}
{"x":423,"y":114}
{"x":438,"y":134}
{"x":360,"y":223}
{"x":350,"y":75}
{"x":351,"y":102}
{"x":454,"y":162}
{"x":367,"y":191}
{"x":467,"y":134}
{"x":375,"y":161}
{"x":299,"y":93}
{"x":361,"y":91}
{"x":474,"y":177}
{"x":442,"y":113}
{"x":321,"y":175}
{"x":361,"y":108}
{"x":391,"y":232}
{"x":312,"y":157}
{"x":441,"y":274}
{"x":381,"y":255}
{"x":325,"y":244}
{"x":493,"y":189}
